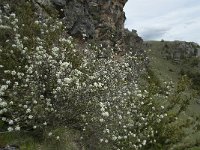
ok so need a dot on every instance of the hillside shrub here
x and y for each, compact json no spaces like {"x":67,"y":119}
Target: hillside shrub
{"x":47,"y":81}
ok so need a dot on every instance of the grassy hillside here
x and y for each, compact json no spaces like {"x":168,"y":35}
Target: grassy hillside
{"x":68,"y":140}
{"x":168,"y":70}
{"x":164,"y":69}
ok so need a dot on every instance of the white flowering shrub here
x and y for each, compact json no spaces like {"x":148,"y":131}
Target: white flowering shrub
{"x":30,"y":89}
{"x":48,"y":81}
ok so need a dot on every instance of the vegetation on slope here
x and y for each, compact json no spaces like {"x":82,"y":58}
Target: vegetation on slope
{"x":51,"y":89}
{"x":166,"y":69}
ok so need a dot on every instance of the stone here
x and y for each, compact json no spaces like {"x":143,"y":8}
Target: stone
{"x":11,"y":147}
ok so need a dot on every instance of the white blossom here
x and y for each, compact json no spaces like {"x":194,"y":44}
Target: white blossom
{"x":105,"y":114}
{"x":10,"y":129}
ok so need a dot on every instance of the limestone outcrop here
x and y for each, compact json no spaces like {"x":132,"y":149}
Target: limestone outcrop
{"x":93,"y":19}
{"x":179,"y":50}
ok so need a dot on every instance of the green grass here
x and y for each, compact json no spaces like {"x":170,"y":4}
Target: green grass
{"x":167,"y":70}
{"x":25,"y":141}
{"x":68,"y":140}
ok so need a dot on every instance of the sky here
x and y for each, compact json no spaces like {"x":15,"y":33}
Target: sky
{"x":164,"y":19}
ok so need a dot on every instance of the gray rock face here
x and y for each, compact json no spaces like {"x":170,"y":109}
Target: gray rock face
{"x":95,"y":19}
{"x":78,"y":20}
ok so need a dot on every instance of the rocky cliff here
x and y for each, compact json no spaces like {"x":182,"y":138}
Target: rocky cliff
{"x":96,"y":19}
{"x":93,"y":19}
